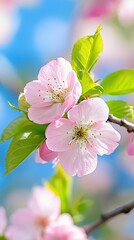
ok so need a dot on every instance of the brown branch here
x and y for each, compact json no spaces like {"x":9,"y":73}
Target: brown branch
{"x":121,"y":122}
{"x":107,"y":216}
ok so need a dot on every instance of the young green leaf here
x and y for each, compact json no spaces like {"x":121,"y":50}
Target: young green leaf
{"x":23,"y":144}
{"x":85,"y":54}
{"x":121,"y":109}
{"x":61,"y":184}
{"x":119,"y":82}
{"x":13,"y":128}
{"x":96,"y":91}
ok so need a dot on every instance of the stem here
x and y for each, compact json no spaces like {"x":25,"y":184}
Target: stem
{"x":107,"y":216}
{"x":121,"y":122}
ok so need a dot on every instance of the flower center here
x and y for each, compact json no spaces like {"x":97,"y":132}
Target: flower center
{"x":58,"y":97}
{"x":56,"y":91}
{"x":42,"y":222}
{"x":80,"y":133}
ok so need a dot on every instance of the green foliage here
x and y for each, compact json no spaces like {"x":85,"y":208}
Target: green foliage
{"x":79,"y":207}
{"x":121,"y":109}
{"x":119,"y":82}
{"x":3,"y":238}
{"x":96,"y":91}
{"x":26,"y":140}
{"x":13,"y":128}
{"x":85,"y":55}
{"x":61,"y":184}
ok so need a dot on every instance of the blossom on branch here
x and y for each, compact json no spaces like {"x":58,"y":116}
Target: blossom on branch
{"x":54,"y":93}
{"x":82,"y":136}
{"x":64,"y":228}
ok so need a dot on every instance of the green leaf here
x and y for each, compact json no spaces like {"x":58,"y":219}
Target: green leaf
{"x":85,"y":54}
{"x":22,"y":103}
{"x":3,"y":238}
{"x":119,"y":82}
{"x":96,"y":91}
{"x":23,"y":144}
{"x":121,"y":109}
{"x":79,"y":208}
{"x":61,"y":184}
{"x":13,"y":128}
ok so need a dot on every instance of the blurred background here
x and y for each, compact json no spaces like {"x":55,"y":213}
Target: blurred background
{"x":33,"y":32}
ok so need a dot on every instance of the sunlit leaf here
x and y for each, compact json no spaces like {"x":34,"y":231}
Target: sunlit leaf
{"x":119,"y":82}
{"x":121,"y":109}
{"x":85,"y":54}
{"x":23,"y":144}
{"x":13,"y":128}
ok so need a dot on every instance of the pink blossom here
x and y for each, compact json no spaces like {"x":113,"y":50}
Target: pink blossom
{"x":43,"y":208}
{"x":82,"y":136}
{"x":100,"y":9}
{"x":54,"y":93}
{"x":3,"y":221}
{"x":64,"y":228}
{"x":130,"y":148}
{"x":44,"y":154}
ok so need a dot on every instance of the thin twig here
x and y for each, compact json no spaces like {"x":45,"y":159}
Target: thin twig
{"x":107,"y":216}
{"x":121,"y":122}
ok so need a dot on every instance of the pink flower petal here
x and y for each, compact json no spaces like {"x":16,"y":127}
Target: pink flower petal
{"x":23,"y":219}
{"x":64,"y":229}
{"x":59,"y":135}
{"x":78,"y":161}
{"x":130,"y":148}
{"x":89,"y":111}
{"x":45,"y":114}
{"x":33,"y":91}
{"x":15,"y":233}
{"x":45,"y":154}
{"x":58,"y":69}
{"x":106,"y":138}
{"x":56,"y":91}
{"x":44,"y":203}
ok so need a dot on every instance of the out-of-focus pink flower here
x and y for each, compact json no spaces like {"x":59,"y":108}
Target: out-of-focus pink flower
{"x":56,"y":91}
{"x":64,"y":228}
{"x":130,"y":148}
{"x":126,"y":12}
{"x":100,"y":9}
{"x":82,"y":136}
{"x":44,"y":154}
{"x":3,"y":221}
{"x":43,"y":208}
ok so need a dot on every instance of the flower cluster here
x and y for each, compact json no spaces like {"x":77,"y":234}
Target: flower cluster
{"x":74,"y":139}
{"x":41,"y":220}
